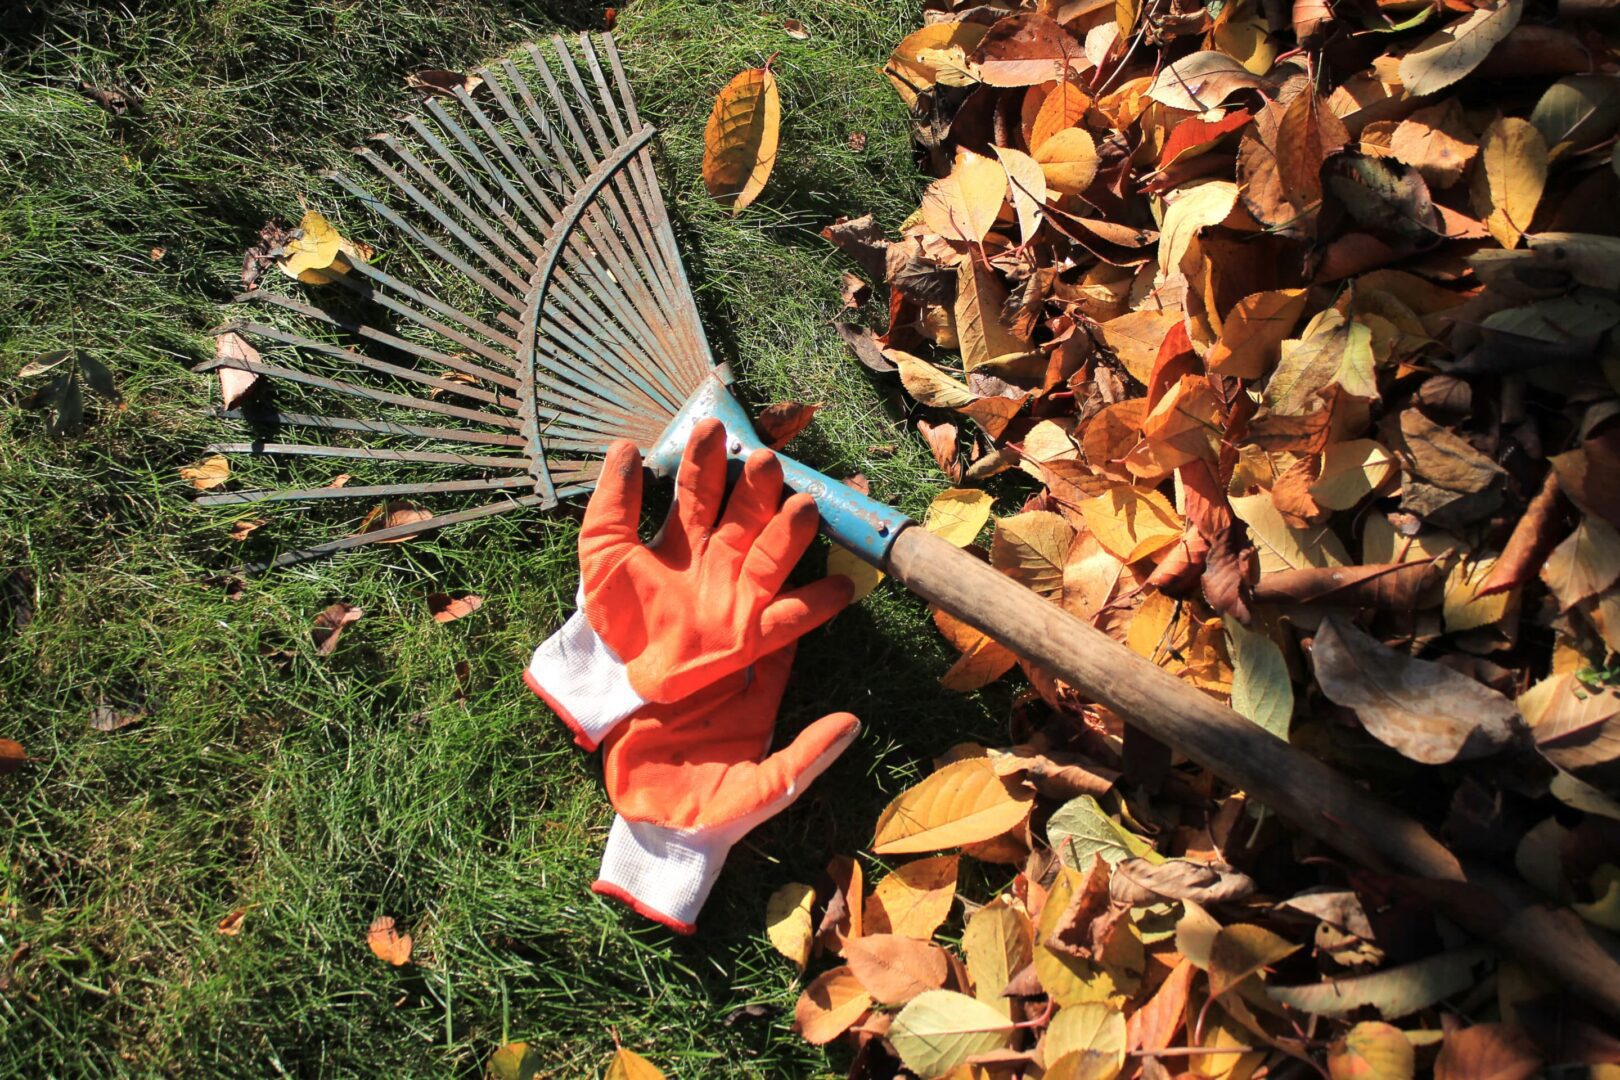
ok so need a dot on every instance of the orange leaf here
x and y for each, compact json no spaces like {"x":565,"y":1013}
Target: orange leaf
{"x":448,"y":608}
{"x":739,"y":143}
{"x":780,"y":422}
{"x":387,"y":942}
{"x":1253,"y":332}
{"x":896,"y":969}
{"x":829,"y":1005}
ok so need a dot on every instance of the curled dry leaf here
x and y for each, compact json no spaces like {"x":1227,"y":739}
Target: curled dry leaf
{"x":1429,"y":712}
{"x":231,"y":925}
{"x":241,"y":530}
{"x":210,"y":473}
{"x":392,"y":515}
{"x":779,"y":423}
{"x":387,"y":943}
{"x":329,"y":626}
{"x":106,"y":718}
{"x":740,"y":141}
{"x":437,"y":82}
{"x":231,"y":348}
{"x":787,"y":922}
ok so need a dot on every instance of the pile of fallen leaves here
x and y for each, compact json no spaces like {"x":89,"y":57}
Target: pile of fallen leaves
{"x":1301,"y":327}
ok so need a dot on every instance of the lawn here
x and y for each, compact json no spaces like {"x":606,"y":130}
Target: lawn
{"x":318,"y":792}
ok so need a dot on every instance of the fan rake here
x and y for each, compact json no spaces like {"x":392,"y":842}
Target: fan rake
{"x":560,"y":314}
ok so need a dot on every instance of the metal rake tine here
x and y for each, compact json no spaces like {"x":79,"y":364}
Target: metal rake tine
{"x":232,"y":498}
{"x":477,"y":461}
{"x":355,"y":390}
{"x":381,"y":337}
{"x":382,"y":367}
{"x":396,"y":532}
{"x":374,"y":427}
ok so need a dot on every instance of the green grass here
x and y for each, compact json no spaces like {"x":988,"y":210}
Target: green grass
{"x":321,"y":792}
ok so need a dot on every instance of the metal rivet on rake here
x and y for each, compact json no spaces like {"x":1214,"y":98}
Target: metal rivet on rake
{"x":735,"y":446}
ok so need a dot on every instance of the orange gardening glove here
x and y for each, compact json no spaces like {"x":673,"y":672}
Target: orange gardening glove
{"x":658,"y":622}
{"x":688,"y":782}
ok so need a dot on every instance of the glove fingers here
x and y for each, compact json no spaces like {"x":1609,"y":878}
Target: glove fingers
{"x":754,"y":501}
{"x":793,"y":615}
{"x":781,"y":544}
{"x":769,"y":787}
{"x":614,"y":512}
{"x":700,"y":486}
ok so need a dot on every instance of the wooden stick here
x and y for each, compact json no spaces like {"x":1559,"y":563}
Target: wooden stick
{"x":1309,"y":794}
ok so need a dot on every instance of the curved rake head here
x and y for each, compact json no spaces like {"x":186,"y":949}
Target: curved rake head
{"x":549,"y":312}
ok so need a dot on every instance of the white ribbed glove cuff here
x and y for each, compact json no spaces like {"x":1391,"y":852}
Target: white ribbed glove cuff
{"x":664,"y":874}
{"x":583,"y":680}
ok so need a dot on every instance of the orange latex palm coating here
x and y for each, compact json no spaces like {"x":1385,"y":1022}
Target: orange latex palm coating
{"x":701,"y":602}
{"x":697,"y":764}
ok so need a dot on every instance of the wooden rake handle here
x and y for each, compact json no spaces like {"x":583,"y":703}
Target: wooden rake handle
{"x":1303,"y":790}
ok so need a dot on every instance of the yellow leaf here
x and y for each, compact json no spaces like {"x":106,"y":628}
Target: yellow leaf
{"x":1239,"y":951}
{"x":981,"y":333}
{"x":965,"y":204}
{"x":787,"y":922}
{"x":1196,"y":207}
{"x":1132,"y":523}
{"x":1372,"y":1051}
{"x":928,"y":384}
{"x":913,"y":900}
{"x":1248,"y":42}
{"x":908,"y":69}
{"x":957,"y":514}
{"x":514,"y":1061}
{"x":841,"y":560}
{"x":213,"y":472}
{"x":998,"y":943}
{"x":1351,"y":471}
{"x":313,"y":252}
{"x":1085,"y":1040}
{"x":1069,"y":160}
{"x":829,"y":1005}
{"x":940,"y":1029}
{"x":1253,"y":331}
{"x":629,"y":1065}
{"x":1463,"y":608}
{"x":1027,"y":184}
{"x":963,"y":803}
{"x":1281,"y":547}
{"x":1509,"y":179}
{"x":1032,"y":548}
{"x":739,"y":143}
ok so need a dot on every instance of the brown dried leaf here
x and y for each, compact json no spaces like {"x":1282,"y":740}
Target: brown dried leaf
{"x":1427,"y":711}
{"x":234,"y":383}
{"x":396,"y":514}
{"x":780,"y":422}
{"x":106,"y":718}
{"x":1382,"y":586}
{"x":12,"y":756}
{"x":437,"y":82}
{"x":231,"y":925}
{"x":1027,"y":50}
{"x":1487,"y":1052}
{"x":895,"y":969}
{"x":329,"y":626}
